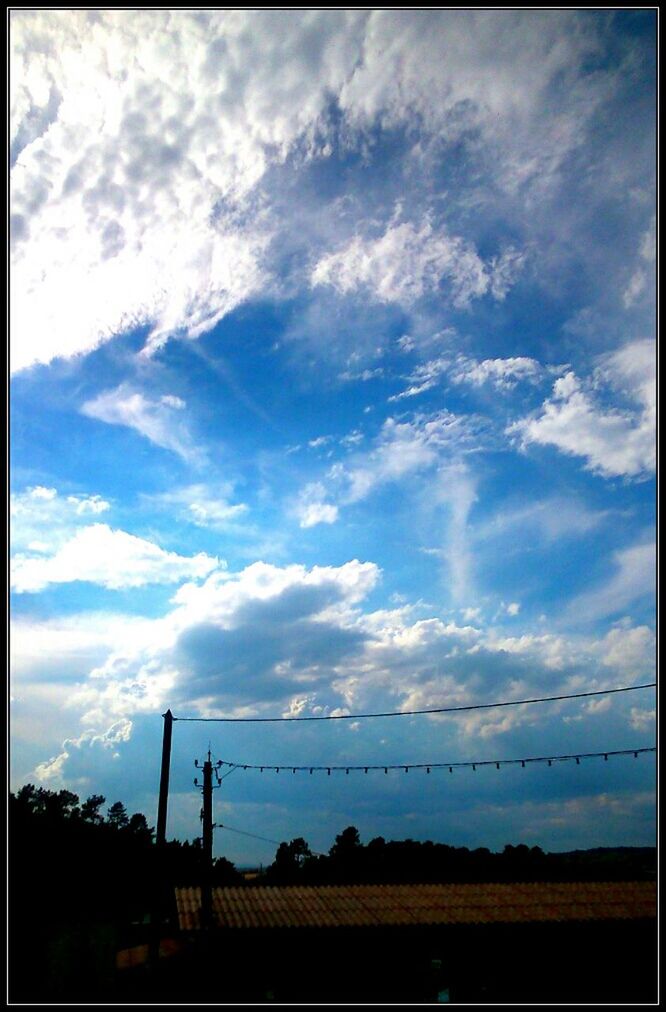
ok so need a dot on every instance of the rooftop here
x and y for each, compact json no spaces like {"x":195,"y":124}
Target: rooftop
{"x":363,"y":906}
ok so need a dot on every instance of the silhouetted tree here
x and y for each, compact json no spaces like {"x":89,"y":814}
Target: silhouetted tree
{"x":90,"y":808}
{"x":139,"y":827}
{"x":117,"y":815}
{"x":290,"y":859}
{"x":346,"y":843}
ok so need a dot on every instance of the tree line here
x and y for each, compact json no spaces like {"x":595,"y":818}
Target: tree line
{"x":409,"y":861}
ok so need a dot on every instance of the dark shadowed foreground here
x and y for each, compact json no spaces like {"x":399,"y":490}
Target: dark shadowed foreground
{"x":390,"y":922}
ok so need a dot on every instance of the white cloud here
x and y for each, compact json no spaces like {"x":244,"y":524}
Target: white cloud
{"x":318,"y":513}
{"x":364,"y":375}
{"x":89,"y":504}
{"x":212,"y":513}
{"x":513,"y":77}
{"x":108,"y":557}
{"x":503,"y":373}
{"x":634,"y":578}
{"x":613,"y":441}
{"x":39,"y":492}
{"x":53,"y":770}
{"x":631,"y":369}
{"x":153,"y":419}
{"x":41,"y":519}
{"x":424,"y":377}
{"x":296,"y":640}
{"x":311,"y":508}
{"x":642,"y":720}
{"x":139,"y":140}
{"x":67,"y":647}
{"x":406,"y":263}
{"x":629,"y":649}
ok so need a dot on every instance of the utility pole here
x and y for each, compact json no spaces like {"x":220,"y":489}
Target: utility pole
{"x":160,"y":837}
{"x":159,"y":884}
{"x":207,"y":788}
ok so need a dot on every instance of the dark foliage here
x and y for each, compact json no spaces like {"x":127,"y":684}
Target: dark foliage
{"x":79,"y":882}
{"x":381,"y":861}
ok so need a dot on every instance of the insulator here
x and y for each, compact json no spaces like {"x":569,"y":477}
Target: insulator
{"x":277,"y":769}
{"x":474,"y":767}
{"x":261,"y":769}
{"x":577,"y":761}
{"x":310,"y":771}
{"x":196,"y":783}
{"x":346,"y":771}
{"x":386,"y":769}
{"x":497,"y":764}
{"x":244,"y":767}
{"x":605,"y":757}
{"x":428,"y":770}
{"x":366,"y":769}
{"x":294,"y":770}
{"x":522,"y":763}
{"x":635,"y":755}
{"x":450,"y":769}
{"x":196,"y":763}
{"x":550,"y":762}
{"x":406,"y":769}
{"x":329,"y":772}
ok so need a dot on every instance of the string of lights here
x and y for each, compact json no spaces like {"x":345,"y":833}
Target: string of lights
{"x":414,"y":713}
{"x":451,"y":766}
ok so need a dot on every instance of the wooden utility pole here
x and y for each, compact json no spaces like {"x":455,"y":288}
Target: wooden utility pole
{"x":160,"y":838}
{"x":207,"y":839}
{"x":159,"y":883}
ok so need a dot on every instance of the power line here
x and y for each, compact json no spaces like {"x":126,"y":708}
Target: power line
{"x":266,"y":839}
{"x":448,"y":765}
{"x":414,"y":713}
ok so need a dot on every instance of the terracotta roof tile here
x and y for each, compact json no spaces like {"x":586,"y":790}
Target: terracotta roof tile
{"x":402,"y":905}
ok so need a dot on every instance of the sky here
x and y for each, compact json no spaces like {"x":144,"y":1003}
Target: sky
{"x":333,"y":391}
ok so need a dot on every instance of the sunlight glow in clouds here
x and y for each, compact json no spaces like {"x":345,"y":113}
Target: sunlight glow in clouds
{"x":109,"y":557}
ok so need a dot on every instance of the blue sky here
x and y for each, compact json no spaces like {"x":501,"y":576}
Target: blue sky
{"x":334,"y":391}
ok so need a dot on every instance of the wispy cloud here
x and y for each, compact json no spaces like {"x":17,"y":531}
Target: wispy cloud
{"x":634,"y":578}
{"x":639,"y":283}
{"x":206,"y":505}
{"x":502,"y":373}
{"x":405,"y":447}
{"x":156,"y":420}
